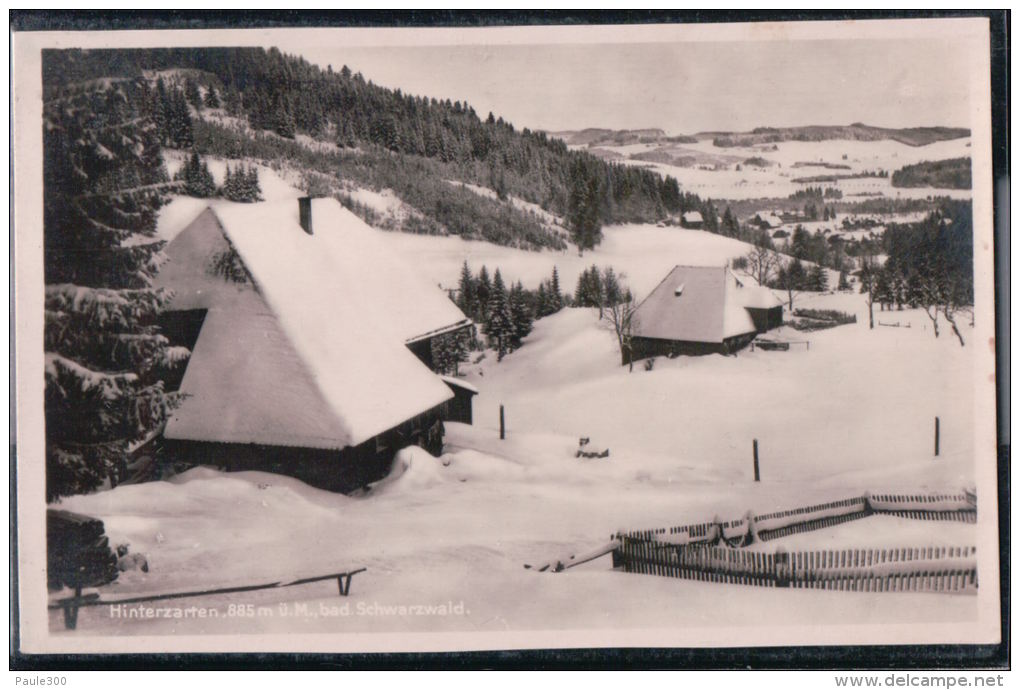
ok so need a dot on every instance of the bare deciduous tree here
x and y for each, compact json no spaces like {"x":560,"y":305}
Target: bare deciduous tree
{"x":621,"y":316}
{"x":762,"y":263}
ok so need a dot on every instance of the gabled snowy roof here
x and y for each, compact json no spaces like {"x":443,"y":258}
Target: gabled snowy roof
{"x":459,"y":383}
{"x":754,"y":296}
{"x":333,"y":308}
{"x":693,"y":217}
{"x":709,"y":309}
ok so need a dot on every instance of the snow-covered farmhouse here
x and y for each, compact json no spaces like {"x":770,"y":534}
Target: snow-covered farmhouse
{"x":698,"y":310}
{"x":692,"y":220}
{"x":311,"y":345}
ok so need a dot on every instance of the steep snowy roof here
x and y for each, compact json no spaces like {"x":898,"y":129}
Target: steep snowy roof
{"x":709,"y":308}
{"x":343,"y":307}
{"x":754,"y":296}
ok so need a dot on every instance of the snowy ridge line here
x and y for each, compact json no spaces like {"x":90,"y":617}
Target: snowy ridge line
{"x":928,"y":569}
{"x":744,"y":531}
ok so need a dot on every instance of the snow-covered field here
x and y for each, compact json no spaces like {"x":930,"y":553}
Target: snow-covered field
{"x":852,"y":413}
{"x":777,"y":180}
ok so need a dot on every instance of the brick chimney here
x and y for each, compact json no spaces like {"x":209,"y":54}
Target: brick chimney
{"x":305,"y":213}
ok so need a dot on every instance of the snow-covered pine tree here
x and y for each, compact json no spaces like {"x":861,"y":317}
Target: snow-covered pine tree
{"x":193,"y":94}
{"x":556,"y":294}
{"x":612,"y":293}
{"x":198,"y":181}
{"x":212,"y":99}
{"x":520,"y":315}
{"x":818,"y":279}
{"x":466,"y":297}
{"x":103,"y":182}
{"x":449,"y":350}
{"x":252,"y":188}
{"x":499,"y":319}
{"x":483,"y":288}
{"x":543,"y":305}
{"x":179,"y":133}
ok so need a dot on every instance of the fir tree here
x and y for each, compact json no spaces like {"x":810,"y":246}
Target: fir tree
{"x":466,"y":297}
{"x":253,"y":190}
{"x":483,"y":288}
{"x":242,"y":184}
{"x":584,"y":217}
{"x":192,"y":93}
{"x":103,"y":182}
{"x":499,"y":319}
{"x":844,"y":281}
{"x":542,"y":302}
{"x":179,"y":132}
{"x":520,"y":315}
{"x":212,"y":99}
{"x":198,"y":181}
{"x":555,"y":293}
{"x":612,"y":293}
{"x":818,"y":279}
{"x":589,"y":292}
{"x":448,"y":351}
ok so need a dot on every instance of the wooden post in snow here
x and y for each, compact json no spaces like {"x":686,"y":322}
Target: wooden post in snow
{"x":502,"y":424}
{"x":757,"y":475}
{"x":936,"y":437}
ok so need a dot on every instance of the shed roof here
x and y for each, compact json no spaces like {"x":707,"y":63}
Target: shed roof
{"x":330,"y":310}
{"x":709,"y":308}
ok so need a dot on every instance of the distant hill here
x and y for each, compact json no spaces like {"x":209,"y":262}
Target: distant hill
{"x":619,"y":137}
{"x":911,"y":136}
{"x":953,"y":173}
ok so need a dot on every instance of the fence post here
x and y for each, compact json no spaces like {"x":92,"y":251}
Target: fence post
{"x":936,"y":437}
{"x":782,"y":564}
{"x":757,"y":475}
{"x":502,"y":423}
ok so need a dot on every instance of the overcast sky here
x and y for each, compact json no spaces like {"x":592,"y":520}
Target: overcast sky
{"x":679,"y":87}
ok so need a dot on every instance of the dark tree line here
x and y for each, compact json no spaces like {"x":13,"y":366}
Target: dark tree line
{"x":929,"y":265}
{"x":241,"y":183}
{"x":600,"y":288}
{"x":288,"y":95}
{"x":506,"y":313}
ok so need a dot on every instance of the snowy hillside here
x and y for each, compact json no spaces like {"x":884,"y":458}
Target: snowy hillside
{"x":459,"y":528}
{"x":711,"y":171}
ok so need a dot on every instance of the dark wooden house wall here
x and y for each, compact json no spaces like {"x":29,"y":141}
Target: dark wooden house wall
{"x":459,"y":409}
{"x":343,"y":470}
{"x":644,"y":348}
{"x":766,"y":319}
{"x":422,"y":349}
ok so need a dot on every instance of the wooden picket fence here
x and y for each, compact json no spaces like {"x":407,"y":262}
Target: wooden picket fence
{"x":710,"y":551}
{"x":930,"y":569}
{"x":961,"y":507}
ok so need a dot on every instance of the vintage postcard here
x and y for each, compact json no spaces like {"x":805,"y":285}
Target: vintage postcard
{"x":435,"y":339}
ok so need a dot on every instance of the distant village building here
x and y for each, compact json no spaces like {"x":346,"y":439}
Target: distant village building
{"x":769,"y":221}
{"x":699,"y":310}
{"x":310,"y":345}
{"x":692,"y":220}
